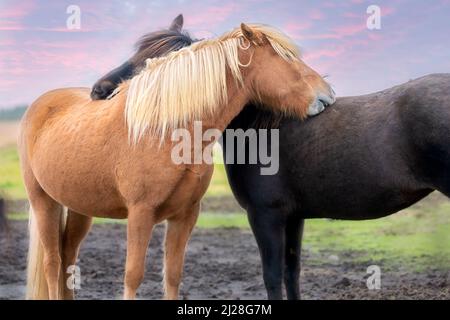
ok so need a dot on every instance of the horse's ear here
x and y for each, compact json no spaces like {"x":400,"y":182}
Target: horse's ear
{"x":177,"y":23}
{"x":252,"y":35}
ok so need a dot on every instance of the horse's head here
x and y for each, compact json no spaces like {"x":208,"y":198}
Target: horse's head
{"x":280,"y":79}
{"x":151,"y":45}
{"x":106,"y":85}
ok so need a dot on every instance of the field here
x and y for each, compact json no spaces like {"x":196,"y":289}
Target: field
{"x":412,"y":248}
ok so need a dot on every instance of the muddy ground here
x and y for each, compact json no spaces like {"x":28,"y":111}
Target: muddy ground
{"x":220,"y":264}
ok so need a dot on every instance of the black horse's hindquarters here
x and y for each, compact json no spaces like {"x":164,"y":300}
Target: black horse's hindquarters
{"x":365,"y":157}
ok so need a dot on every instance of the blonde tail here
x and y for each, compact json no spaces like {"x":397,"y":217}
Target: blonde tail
{"x":36,"y":282}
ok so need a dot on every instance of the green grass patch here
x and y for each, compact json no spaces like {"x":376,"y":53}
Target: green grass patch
{"x":10,"y":177}
{"x":207,"y":220}
{"x":222,"y":220}
{"x":219,"y":184}
{"x":416,"y":238}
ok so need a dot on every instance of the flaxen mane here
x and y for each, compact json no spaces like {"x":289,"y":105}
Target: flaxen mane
{"x":191,"y":83}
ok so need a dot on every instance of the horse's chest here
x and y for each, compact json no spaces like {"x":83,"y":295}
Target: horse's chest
{"x":188,"y":192}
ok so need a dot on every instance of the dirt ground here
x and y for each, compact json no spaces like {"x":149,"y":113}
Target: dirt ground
{"x":220,"y":264}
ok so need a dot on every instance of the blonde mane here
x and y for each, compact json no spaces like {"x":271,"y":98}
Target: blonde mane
{"x":191,"y":83}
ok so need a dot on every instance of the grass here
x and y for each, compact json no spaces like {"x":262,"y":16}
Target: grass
{"x":418,"y":237}
{"x":10,"y":178}
{"x":207,"y":220}
{"x":219,"y":184}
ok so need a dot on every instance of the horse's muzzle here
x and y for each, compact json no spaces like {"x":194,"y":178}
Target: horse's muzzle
{"x":320,"y":103}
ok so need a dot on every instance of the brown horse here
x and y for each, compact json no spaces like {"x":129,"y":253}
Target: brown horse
{"x":112,"y":158}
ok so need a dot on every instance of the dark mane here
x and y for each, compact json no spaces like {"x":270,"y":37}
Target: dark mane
{"x":256,"y":117}
{"x":151,"y":45}
{"x":159,"y":43}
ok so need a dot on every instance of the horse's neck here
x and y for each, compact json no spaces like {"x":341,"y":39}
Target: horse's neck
{"x":237,"y":99}
{"x":124,"y":71}
{"x":249,"y":116}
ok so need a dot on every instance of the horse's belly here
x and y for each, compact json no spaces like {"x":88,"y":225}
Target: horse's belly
{"x":368,"y":204}
{"x":78,"y":179}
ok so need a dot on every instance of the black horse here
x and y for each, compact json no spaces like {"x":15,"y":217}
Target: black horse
{"x":364,"y":157}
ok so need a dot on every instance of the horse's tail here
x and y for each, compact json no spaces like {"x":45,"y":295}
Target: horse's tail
{"x":37,"y":288}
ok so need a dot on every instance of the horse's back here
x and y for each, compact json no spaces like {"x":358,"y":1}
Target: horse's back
{"x":58,"y":100}
{"x":50,"y":106}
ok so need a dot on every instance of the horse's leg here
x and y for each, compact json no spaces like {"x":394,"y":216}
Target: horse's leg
{"x":294,"y":233}
{"x":268,"y":227}
{"x":139,"y":231}
{"x":77,"y":227}
{"x":178,"y":233}
{"x":48,"y":213}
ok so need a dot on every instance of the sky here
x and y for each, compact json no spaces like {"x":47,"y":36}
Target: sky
{"x":39,"y":53}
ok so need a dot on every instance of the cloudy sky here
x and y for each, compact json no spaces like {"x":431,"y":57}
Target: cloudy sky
{"x":38,"y":52}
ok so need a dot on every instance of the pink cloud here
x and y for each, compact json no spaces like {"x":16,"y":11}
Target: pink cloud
{"x":17,"y":10}
{"x":353,"y":15}
{"x":349,"y":30}
{"x":374,"y":36}
{"x":211,"y":16}
{"x":329,"y":4}
{"x":11,"y":26}
{"x":362,"y":15}
{"x":12,"y":14}
{"x":316,"y":14}
{"x":324,"y":53}
{"x":7,"y":42}
{"x":339,"y":32}
{"x":63,"y":29}
{"x":18,"y":27}
{"x":387,"y":11}
{"x":295,"y":29}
